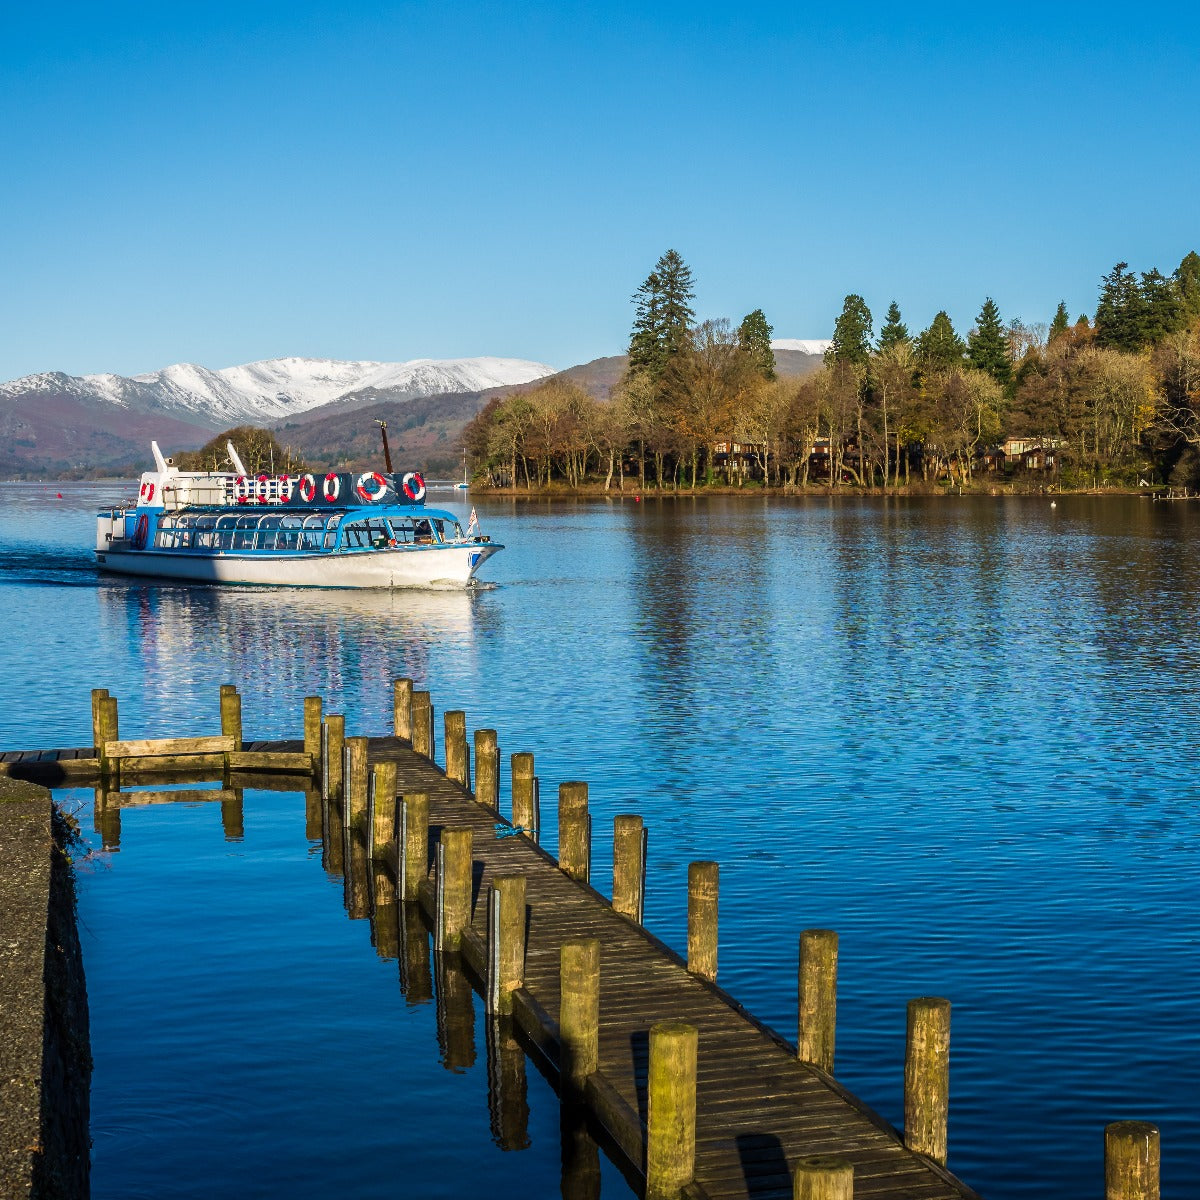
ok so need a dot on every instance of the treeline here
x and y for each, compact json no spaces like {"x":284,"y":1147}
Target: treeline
{"x":1110,"y":398}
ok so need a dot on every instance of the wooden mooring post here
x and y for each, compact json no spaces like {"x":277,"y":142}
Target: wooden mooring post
{"x":629,"y":866}
{"x":927,"y":1077}
{"x":579,"y":1012}
{"x":422,"y":724}
{"x":98,"y":739}
{"x":817,"y":1022}
{"x":671,"y":1110}
{"x":505,"y":942}
{"x":109,"y":726}
{"x":823,"y":1177}
{"x":335,"y":745}
{"x":383,"y":831}
{"x":1131,"y":1161}
{"x":458,"y":757}
{"x":524,"y":795}
{"x":414,"y":844}
{"x":312,"y":728}
{"x":356,"y":783}
{"x":231,"y":714}
{"x":574,"y":830}
{"x":402,"y":708}
{"x":487,"y":769}
{"x":703,"y":891}
{"x":454,"y":882}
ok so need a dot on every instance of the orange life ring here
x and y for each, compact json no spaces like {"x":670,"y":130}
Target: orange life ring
{"x":332,"y":487}
{"x":367,"y":478}
{"x":414,"y":486}
{"x":308,"y":489}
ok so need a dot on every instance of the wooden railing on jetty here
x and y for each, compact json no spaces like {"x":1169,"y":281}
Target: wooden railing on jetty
{"x":699,"y":1098}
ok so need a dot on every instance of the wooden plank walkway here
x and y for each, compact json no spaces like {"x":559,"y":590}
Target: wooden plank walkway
{"x":759,"y":1109}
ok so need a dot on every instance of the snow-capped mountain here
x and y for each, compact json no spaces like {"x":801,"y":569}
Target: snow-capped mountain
{"x":802,"y":345}
{"x":277,"y":388}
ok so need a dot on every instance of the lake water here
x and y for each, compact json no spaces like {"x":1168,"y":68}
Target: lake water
{"x":960,"y":732}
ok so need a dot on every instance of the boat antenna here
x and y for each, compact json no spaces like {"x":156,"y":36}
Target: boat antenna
{"x":387,"y":454}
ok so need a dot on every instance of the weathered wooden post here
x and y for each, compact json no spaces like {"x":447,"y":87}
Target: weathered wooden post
{"x":927,"y":1077}
{"x":671,"y":1110}
{"x":356,"y":783}
{"x":414,"y":843}
{"x":817,"y":1022}
{"x":231,"y":714}
{"x":506,"y":941}
{"x":579,"y":1012}
{"x":335,"y":745}
{"x":98,"y":694}
{"x":487,"y":769}
{"x":402,"y":707}
{"x":422,"y":725}
{"x":312,"y":730}
{"x":524,"y":795}
{"x":458,"y":758}
{"x":629,"y":866}
{"x":384,"y":831}
{"x":454,"y":882}
{"x":1131,"y":1161}
{"x":574,"y":830}
{"x":703,"y":889}
{"x":109,"y":732}
{"x":823,"y":1177}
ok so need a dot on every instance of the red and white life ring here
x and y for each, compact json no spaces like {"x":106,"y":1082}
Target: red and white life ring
{"x":147,"y":492}
{"x":308,"y":489}
{"x":287,"y":485}
{"x":371,"y":486}
{"x":414,"y":486}
{"x":241,"y":489}
{"x":332,"y":487}
{"x":262,"y":490}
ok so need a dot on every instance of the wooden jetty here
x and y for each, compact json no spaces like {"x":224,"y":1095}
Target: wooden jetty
{"x":698,"y":1098}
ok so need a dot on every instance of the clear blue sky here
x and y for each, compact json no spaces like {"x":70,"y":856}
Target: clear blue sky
{"x":220,"y":183}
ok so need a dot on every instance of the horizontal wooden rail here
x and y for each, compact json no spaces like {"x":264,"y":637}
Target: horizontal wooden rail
{"x":169,"y":747}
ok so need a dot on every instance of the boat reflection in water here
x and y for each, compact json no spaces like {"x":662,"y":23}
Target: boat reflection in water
{"x":280,"y":645}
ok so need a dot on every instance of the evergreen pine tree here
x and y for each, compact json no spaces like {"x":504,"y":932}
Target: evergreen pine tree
{"x":664,"y":315}
{"x":894,"y":331}
{"x":1163,"y":310}
{"x":1187,"y":276}
{"x":939,"y":346}
{"x":1120,"y":312}
{"x":754,"y":336}
{"x":851,"y":334}
{"x":987,"y":344}
{"x":1061,"y":322}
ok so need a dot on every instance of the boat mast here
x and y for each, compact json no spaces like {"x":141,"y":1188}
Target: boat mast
{"x":387,"y":454}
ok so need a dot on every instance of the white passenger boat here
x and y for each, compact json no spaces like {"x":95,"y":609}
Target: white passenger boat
{"x":333,"y":530}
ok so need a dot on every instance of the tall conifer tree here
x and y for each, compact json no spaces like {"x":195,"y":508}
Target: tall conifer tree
{"x":664,"y":315}
{"x":754,"y":336}
{"x":1120,"y":312}
{"x":939,"y":347}
{"x":894,"y":330}
{"x":1187,"y":275}
{"x":851,"y":334}
{"x":1061,"y":322}
{"x":987,"y":344}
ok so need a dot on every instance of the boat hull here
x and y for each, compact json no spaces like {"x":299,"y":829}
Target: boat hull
{"x":407,"y":567}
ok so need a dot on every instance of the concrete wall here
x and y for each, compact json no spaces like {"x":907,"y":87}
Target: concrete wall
{"x":45,"y":1060}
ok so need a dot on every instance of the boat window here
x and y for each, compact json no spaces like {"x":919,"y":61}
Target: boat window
{"x":371,"y":534}
{"x":331,"y":528}
{"x":288,"y":537}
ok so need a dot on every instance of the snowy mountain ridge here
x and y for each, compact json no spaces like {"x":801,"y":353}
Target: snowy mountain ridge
{"x":275,"y":389}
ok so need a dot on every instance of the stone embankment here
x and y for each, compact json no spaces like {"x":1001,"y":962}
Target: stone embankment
{"x":45,"y":1060}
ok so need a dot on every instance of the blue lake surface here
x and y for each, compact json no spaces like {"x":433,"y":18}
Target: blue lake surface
{"x":960,"y":732}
